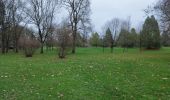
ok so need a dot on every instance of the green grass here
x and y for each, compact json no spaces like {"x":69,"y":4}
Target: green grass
{"x":88,"y":75}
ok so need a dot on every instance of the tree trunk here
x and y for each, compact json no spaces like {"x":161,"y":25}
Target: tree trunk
{"x":111,"y":49}
{"x":7,"y":46}
{"x":41,"y":41}
{"x":16,"y":45}
{"x":62,"y":53}
{"x":3,"y":45}
{"x":103,"y":49}
{"x":74,"y":46}
{"x":3,"y":36}
{"x":42,"y":50}
{"x":124,"y":48}
{"x":74,"y":40}
{"x":16,"y":49}
{"x":140,"y":43}
{"x":112,"y":45}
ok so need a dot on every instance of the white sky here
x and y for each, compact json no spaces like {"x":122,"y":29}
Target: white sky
{"x":104,"y":10}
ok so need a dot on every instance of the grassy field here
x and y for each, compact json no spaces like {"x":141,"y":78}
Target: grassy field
{"x":88,"y":75}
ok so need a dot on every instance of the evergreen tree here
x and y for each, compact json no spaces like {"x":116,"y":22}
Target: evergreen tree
{"x":150,"y":36}
{"x":95,"y":40}
{"x":134,"y":39}
{"x":108,"y":39}
{"x":128,"y":39}
{"x":123,"y":39}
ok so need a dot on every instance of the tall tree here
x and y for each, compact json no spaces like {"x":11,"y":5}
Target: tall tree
{"x":41,"y":14}
{"x":150,"y":37}
{"x":79,"y":11}
{"x":17,"y":19}
{"x":6,"y":35}
{"x":162,"y":9}
{"x":2,"y":26}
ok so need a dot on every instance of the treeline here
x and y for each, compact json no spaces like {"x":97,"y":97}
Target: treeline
{"x":28,"y":25}
{"x":118,"y":33}
{"x":149,"y":37}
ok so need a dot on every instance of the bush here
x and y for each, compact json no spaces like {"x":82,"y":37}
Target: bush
{"x":29,"y":45}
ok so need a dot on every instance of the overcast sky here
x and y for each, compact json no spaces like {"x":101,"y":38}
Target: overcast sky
{"x":104,"y":10}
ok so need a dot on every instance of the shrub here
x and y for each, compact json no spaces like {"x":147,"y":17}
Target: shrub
{"x":29,"y":45}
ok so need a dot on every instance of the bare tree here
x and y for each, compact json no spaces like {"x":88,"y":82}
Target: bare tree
{"x":41,"y":14}
{"x":12,"y":17}
{"x":6,"y":11}
{"x":78,"y":10}
{"x":64,"y":39}
{"x":162,"y":9}
{"x":17,"y":19}
{"x":114,"y":26}
{"x":85,"y":28}
{"x":50,"y":41}
{"x":124,"y":33}
{"x":2,"y":25}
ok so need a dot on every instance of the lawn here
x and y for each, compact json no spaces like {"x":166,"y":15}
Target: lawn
{"x":88,"y":75}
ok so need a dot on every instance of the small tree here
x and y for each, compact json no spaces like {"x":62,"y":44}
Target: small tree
{"x":41,"y":13}
{"x":133,"y":38}
{"x":165,"y":39}
{"x":64,"y":39}
{"x":123,"y":39}
{"x":108,"y":39}
{"x":95,"y":39}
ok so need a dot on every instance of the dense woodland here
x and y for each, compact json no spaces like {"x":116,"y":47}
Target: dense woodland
{"x":30,"y":25}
